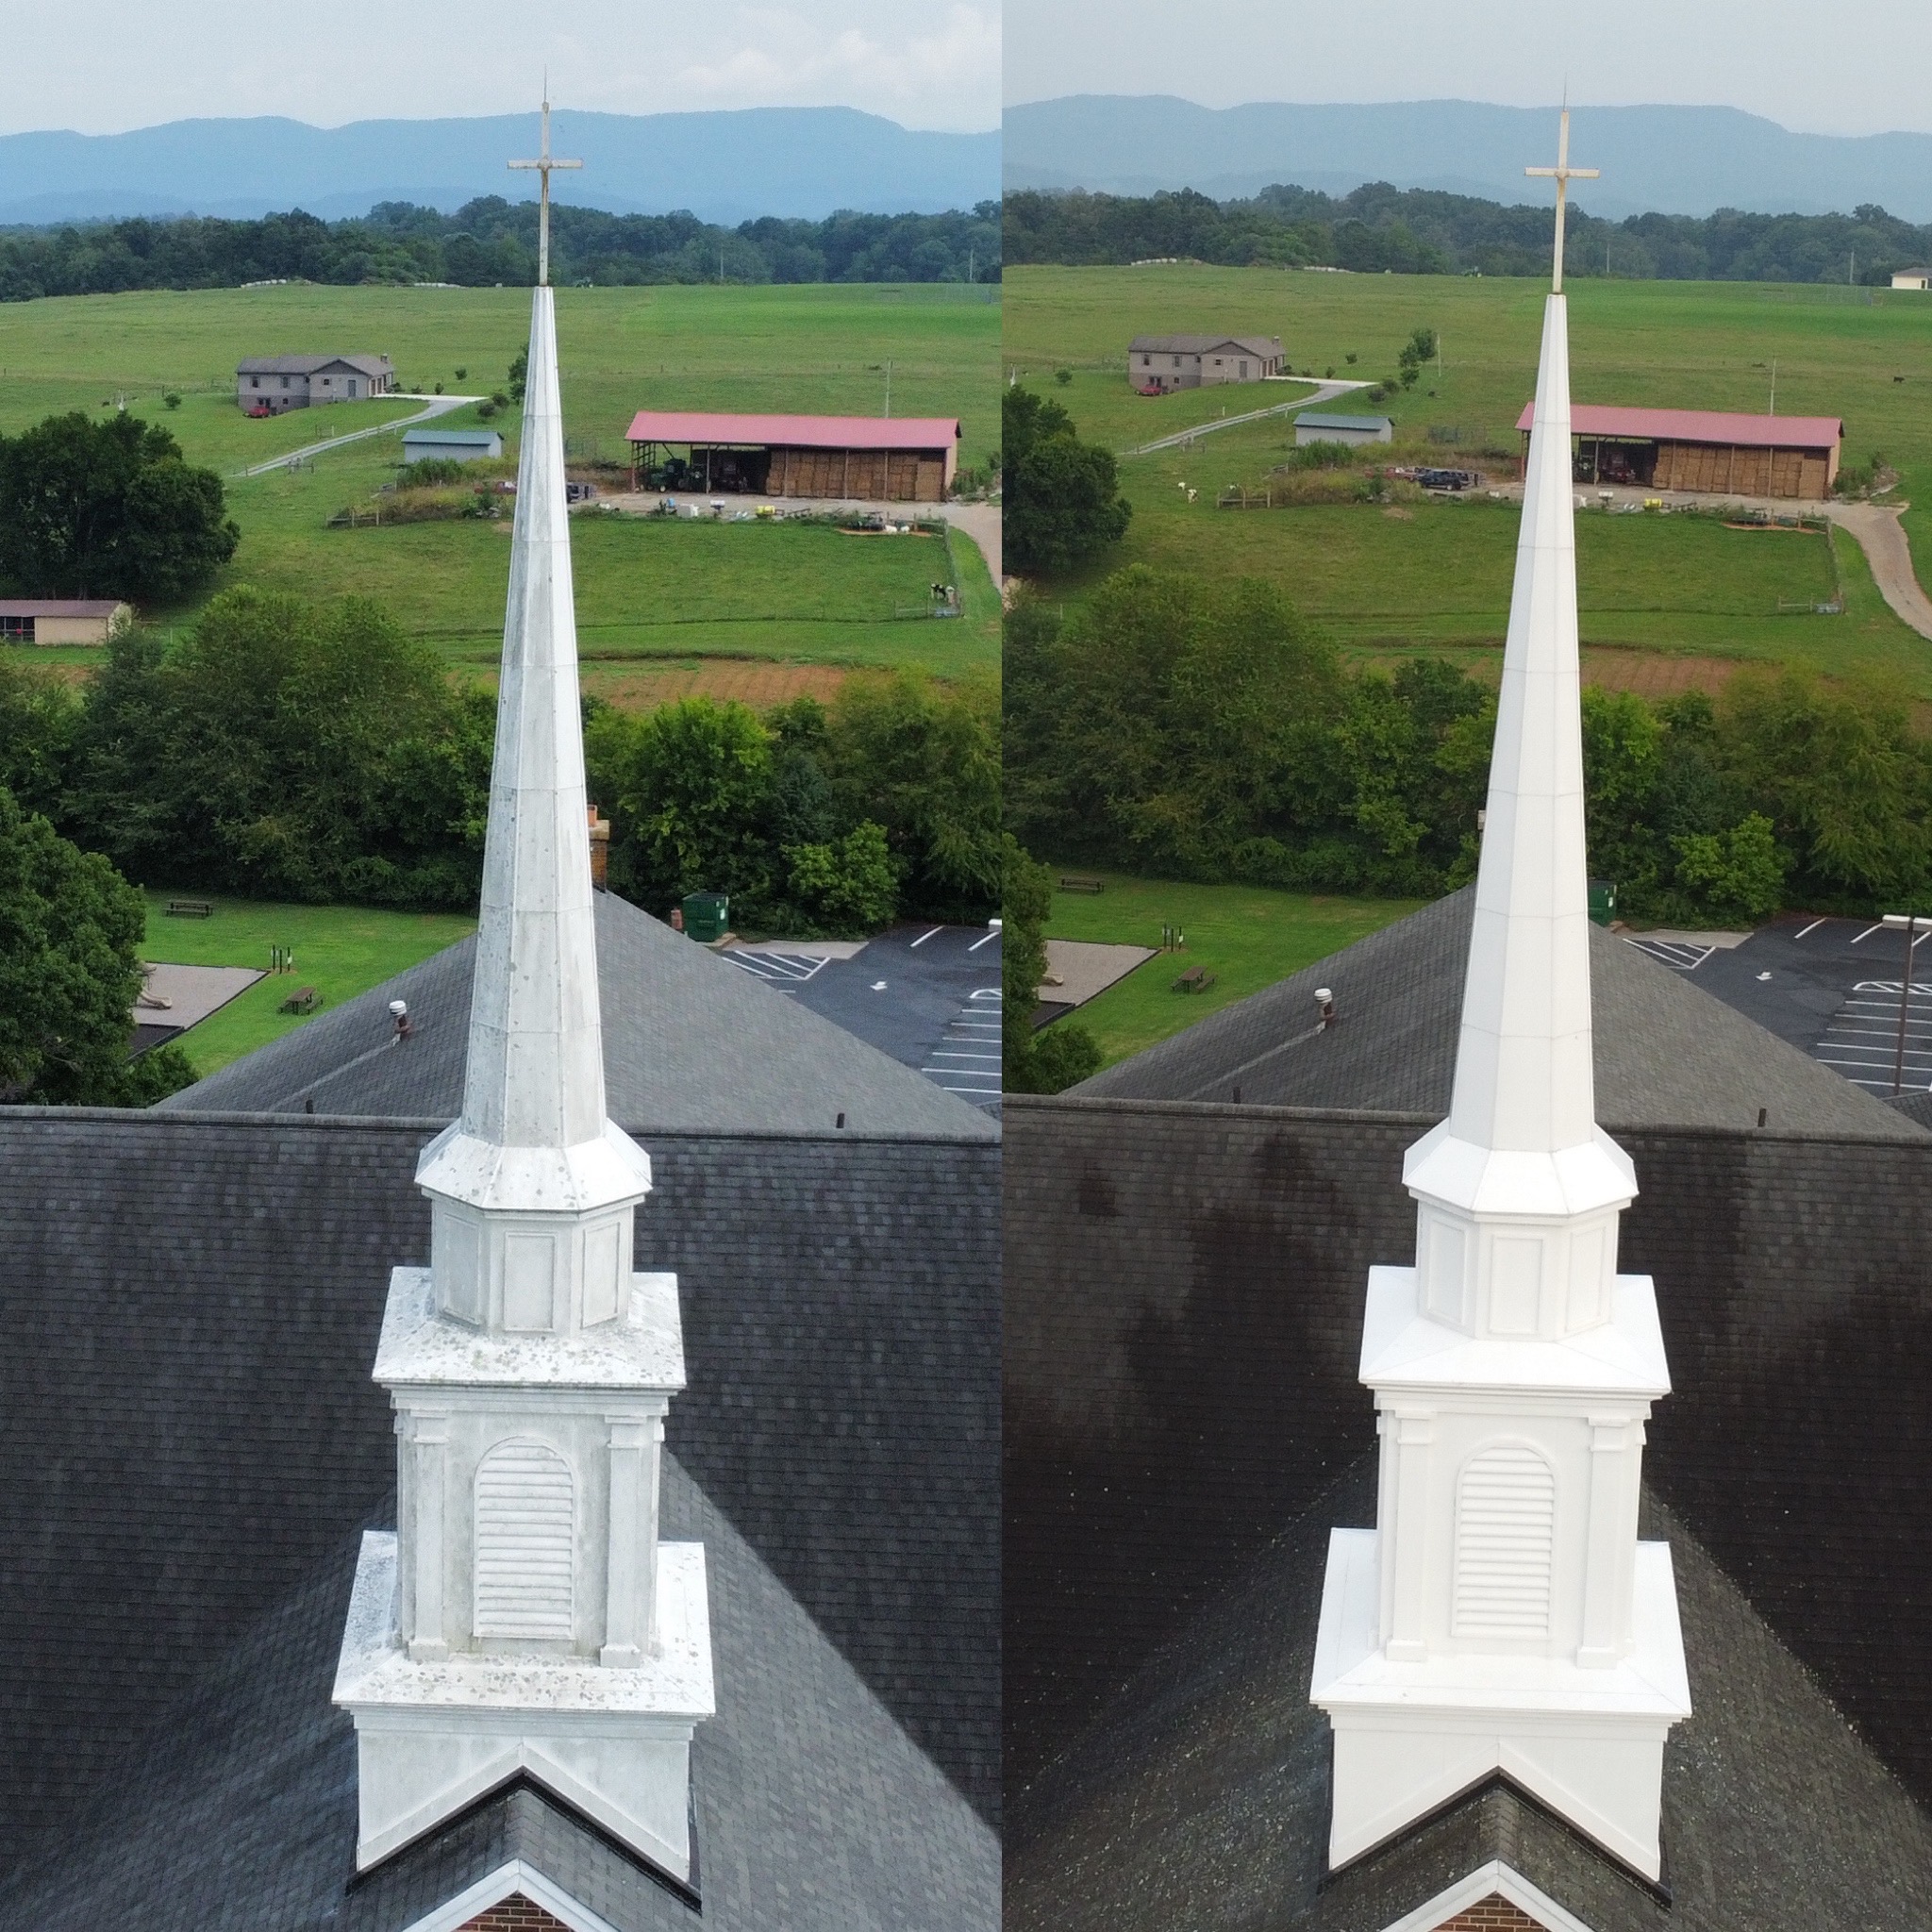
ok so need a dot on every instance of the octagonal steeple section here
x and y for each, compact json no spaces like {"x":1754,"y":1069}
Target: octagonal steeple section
{"x":1518,"y":1191}
{"x":532,"y":1190}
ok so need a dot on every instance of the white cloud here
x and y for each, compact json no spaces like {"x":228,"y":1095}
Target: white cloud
{"x":927,"y":75}
{"x":934,"y":67}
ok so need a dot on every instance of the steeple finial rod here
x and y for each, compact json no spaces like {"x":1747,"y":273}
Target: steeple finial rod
{"x":545,"y":161}
{"x":1565,"y":174}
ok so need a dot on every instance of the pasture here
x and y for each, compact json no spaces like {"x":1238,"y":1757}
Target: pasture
{"x":723,"y":592}
{"x":1437,"y":576}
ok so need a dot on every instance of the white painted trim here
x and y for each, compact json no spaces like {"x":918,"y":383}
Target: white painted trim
{"x":1486,"y":1882}
{"x":505,"y":1882}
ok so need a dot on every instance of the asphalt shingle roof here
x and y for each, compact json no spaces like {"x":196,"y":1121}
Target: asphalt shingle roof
{"x":812,"y":1807}
{"x":1183,"y":1312}
{"x":1200,"y":1796}
{"x":1667,"y":1052}
{"x":692,"y":1044}
{"x":190,"y":1437}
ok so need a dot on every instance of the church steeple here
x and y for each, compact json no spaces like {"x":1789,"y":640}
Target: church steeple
{"x":1501,"y":1617}
{"x":525,"y":1617}
{"x":534,"y":1142}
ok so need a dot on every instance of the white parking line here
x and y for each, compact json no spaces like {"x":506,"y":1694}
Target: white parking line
{"x":923,"y":937}
{"x":986,"y":942}
{"x":1812,"y":927}
{"x":1869,"y":931}
{"x":791,"y":969}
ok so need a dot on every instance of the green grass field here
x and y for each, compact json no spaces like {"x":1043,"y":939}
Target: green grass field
{"x":1442,"y":578}
{"x":729,"y":591}
{"x":339,"y":950}
{"x":1247,"y":936}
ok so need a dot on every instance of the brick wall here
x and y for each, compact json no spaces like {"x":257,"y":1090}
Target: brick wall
{"x":1492,"y":1914}
{"x":517,"y":1914}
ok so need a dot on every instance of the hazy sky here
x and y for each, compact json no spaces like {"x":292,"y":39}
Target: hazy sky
{"x":101,"y":66}
{"x":1857,"y":66}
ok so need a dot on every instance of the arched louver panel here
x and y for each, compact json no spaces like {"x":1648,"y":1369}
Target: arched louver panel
{"x":525,"y":1538}
{"x":1505,"y":1528}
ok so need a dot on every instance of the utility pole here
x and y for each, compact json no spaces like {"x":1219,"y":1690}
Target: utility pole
{"x":971,"y":266}
{"x":1908,"y":922}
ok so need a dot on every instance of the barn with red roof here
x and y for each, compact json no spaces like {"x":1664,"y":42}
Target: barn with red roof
{"x":1705,"y":450}
{"x":863,"y":458}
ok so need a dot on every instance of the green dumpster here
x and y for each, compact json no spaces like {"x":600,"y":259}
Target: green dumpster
{"x":707,"y":916}
{"x":1603,"y":901}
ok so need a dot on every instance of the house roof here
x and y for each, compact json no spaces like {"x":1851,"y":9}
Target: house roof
{"x":1699,"y":425}
{"x":1203,"y":345}
{"x":1200,"y":1791}
{"x":1668,"y":1053}
{"x":312,"y":365}
{"x":794,"y":432}
{"x":692,"y":1043}
{"x":190,"y":1440}
{"x":61,"y":607}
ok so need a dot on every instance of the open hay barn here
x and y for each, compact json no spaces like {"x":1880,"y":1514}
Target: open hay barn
{"x":868,"y":458}
{"x":1705,"y":450}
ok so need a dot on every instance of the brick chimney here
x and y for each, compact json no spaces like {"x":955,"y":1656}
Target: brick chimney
{"x":600,"y":849}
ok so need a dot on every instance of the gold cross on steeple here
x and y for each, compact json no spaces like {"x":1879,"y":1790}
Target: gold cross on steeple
{"x":1564,"y":174}
{"x":543,"y":163}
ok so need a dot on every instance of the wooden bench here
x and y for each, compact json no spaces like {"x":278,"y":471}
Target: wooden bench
{"x":191,"y":909}
{"x":1070,"y":883}
{"x":306,"y":1001}
{"x":1196,"y":979}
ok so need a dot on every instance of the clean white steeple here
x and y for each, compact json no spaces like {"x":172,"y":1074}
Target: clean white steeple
{"x":1502,"y":1615}
{"x":524,"y":1616}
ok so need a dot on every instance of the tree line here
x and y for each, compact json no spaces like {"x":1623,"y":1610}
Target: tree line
{"x":315,"y":752}
{"x":1423,"y":231}
{"x":490,"y":241}
{"x":1184,"y":729}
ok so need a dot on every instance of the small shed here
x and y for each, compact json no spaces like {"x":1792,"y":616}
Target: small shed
{"x":62,"y":620}
{"x":1911,"y":278}
{"x":452,"y":446}
{"x":1315,"y":425}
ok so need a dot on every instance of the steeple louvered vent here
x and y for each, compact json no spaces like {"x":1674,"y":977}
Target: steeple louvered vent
{"x":1506,"y":1523}
{"x":523,"y":1539}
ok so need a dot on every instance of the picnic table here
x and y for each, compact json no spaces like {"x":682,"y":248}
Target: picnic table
{"x":1196,"y":979}
{"x":191,"y":909}
{"x":304,"y":1000}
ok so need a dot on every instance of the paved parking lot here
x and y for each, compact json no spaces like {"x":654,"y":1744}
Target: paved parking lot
{"x":1833,"y":987}
{"x":929,"y":995}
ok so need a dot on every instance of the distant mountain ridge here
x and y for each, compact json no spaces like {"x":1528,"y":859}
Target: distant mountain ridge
{"x":1661,"y":159}
{"x":726,"y":166}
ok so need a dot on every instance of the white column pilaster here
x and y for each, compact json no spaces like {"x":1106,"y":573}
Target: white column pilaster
{"x":428,"y":1459}
{"x":1407,"y":1549}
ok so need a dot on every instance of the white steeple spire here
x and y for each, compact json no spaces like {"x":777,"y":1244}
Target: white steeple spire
{"x":525,"y":1617}
{"x":534,"y":1138}
{"x":1502,"y":1615}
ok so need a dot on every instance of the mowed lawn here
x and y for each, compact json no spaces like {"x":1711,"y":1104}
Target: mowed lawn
{"x":729,"y":591}
{"x":338,"y":950}
{"x":1439,"y":577}
{"x":1247,"y":936}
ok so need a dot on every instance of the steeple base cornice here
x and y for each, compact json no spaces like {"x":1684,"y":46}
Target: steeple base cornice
{"x":433,"y":1736}
{"x":1411,"y":1735}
